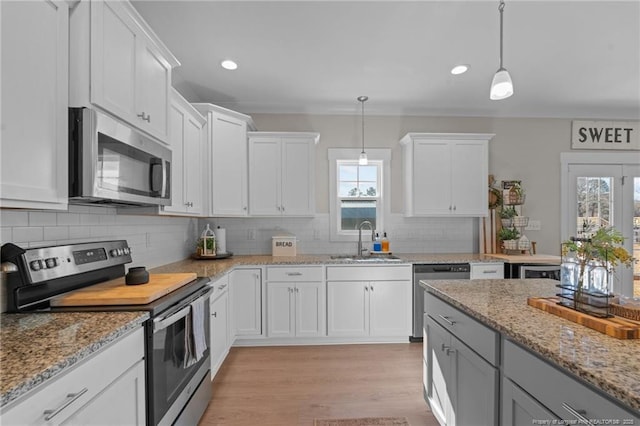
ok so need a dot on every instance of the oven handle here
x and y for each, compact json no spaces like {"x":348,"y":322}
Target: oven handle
{"x":172,"y":318}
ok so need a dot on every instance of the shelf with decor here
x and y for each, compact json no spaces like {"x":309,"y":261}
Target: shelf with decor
{"x":512,"y":219}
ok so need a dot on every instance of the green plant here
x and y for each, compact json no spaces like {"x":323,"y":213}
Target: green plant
{"x":508,"y":234}
{"x":508,"y":212}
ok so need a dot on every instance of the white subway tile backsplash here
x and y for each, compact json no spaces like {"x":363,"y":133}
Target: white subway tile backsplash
{"x":89,"y":219}
{"x":78,"y":232}
{"x":38,"y":218}
{"x":6,"y":235}
{"x":28,"y":234}
{"x":52,"y":233}
{"x":64,"y":219}
{"x":14,"y":217}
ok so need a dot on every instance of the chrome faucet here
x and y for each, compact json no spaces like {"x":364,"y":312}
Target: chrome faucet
{"x":360,"y":248}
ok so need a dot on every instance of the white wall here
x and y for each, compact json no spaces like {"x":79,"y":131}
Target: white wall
{"x":525,"y":149}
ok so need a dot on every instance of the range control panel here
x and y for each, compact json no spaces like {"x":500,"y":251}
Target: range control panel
{"x":47,"y":263}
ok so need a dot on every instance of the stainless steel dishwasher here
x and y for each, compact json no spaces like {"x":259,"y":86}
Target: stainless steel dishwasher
{"x":433,"y":271}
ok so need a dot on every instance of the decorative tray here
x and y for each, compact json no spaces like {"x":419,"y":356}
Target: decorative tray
{"x":218,"y":256}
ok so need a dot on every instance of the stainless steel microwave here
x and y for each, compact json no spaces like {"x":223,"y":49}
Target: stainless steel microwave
{"x":111,"y":163}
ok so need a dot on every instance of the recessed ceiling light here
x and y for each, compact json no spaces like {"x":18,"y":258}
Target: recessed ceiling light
{"x":228,"y":64}
{"x":460,"y":69}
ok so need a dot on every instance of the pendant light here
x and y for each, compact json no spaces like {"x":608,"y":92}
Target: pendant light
{"x":363,"y":161}
{"x":501,"y":86}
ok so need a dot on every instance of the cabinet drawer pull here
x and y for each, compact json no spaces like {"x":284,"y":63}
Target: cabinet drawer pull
{"x":215,"y":315}
{"x":447,"y":349}
{"x":222,"y":286}
{"x":578,"y":414}
{"x":294,"y":274}
{"x":71,"y":397}
{"x":447,"y":320}
{"x":494,"y":271}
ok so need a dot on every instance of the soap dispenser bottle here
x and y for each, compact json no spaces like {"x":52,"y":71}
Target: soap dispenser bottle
{"x":385,"y":243}
{"x":376,"y":243}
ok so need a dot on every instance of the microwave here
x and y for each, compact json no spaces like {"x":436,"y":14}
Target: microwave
{"x":111,"y":163}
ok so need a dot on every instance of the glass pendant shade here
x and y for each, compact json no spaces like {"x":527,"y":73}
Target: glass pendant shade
{"x":501,"y":86}
{"x":363,"y":161}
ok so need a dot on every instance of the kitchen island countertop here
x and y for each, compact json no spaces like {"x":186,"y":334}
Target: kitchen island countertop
{"x":609,"y":364}
{"x":35,"y":347}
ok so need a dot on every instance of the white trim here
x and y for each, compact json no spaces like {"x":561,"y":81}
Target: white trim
{"x":378,"y":154}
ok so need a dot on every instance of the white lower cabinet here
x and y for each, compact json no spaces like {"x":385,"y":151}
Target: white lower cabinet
{"x":296,"y":301}
{"x":107,"y":388}
{"x":372,"y":301}
{"x":461,"y":386}
{"x":219,"y":330}
{"x":246,"y":302}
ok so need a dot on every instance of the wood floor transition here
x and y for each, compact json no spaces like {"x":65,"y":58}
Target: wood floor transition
{"x":293,"y":385}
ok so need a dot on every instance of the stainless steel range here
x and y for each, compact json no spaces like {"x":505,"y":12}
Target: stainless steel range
{"x":178,"y":384}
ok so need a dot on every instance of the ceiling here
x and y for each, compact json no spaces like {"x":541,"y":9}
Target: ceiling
{"x":567,"y":59}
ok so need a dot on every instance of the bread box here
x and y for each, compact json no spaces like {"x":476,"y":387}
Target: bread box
{"x":283,"y":245}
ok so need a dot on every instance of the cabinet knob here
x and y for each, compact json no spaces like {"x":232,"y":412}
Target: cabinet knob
{"x":366,"y":288}
{"x":282,"y":207}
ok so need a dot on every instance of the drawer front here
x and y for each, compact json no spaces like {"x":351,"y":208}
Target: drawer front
{"x":487,"y":271}
{"x":220,"y":286}
{"x":294,"y":274}
{"x":557,"y":390}
{"x":473,"y":333}
{"x":369,"y":273}
{"x":93,"y":374}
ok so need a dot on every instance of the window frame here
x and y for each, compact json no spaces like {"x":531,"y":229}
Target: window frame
{"x":382,"y":210}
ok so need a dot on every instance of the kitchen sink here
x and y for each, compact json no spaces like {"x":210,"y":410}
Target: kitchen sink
{"x":368,"y":259}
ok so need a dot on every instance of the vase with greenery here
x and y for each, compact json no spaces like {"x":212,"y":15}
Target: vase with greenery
{"x":595,"y":258}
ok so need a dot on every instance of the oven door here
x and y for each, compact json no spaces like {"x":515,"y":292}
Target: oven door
{"x":172,"y":374}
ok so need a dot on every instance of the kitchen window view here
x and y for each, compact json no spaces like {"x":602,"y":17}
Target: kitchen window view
{"x":359,"y":194}
{"x":609,"y":195}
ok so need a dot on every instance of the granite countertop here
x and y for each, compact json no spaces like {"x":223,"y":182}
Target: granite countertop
{"x":36,"y":347}
{"x":215,"y":268}
{"x":610,"y":364}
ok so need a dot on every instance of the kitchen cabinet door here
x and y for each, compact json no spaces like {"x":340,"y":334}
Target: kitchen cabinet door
{"x":347,"y":308}
{"x":390,"y":308}
{"x":227,"y":161}
{"x":281,"y":309}
{"x":519,"y":408}
{"x":462,"y":388}
{"x":246,"y":301}
{"x":153,"y":85}
{"x":34,"y":130}
{"x":445,"y":174}
{"x":219,"y":331}
{"x":295,"y":309}
{"x":310,"y":309}
{"x":282,"y":174}
{"x":265,"y":176}
{"x":186,"y":138}
{"x":114,"y":42}
{"x":117,"y":64}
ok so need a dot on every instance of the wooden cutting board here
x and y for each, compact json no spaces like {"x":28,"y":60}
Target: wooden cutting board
{"x":618,"y":327}
{"x":116,"y":292}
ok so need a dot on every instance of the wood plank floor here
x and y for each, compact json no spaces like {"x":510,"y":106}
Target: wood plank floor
{"x":292,"y":385}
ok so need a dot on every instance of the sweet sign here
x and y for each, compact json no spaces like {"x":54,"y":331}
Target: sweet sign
{"x":622,"y":135}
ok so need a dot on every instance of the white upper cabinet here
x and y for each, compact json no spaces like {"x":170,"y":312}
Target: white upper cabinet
{"x":282,"y":173}
{"x":227,"y":160}
{"x":186,"y":137}
{"x":35,"y":63}
{"x":446,"y":174}
{"x":118,"y":64}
